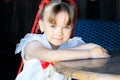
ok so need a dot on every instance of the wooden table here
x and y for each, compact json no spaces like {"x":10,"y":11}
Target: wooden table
{"x":91,"y":69}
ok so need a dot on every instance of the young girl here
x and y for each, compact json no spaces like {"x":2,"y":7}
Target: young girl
{"x":40,"y":51}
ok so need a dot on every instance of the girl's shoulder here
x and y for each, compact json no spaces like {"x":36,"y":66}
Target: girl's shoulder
{"x":76,"y":40}
{"x":26,"y":39}
{"x":31,"y":35}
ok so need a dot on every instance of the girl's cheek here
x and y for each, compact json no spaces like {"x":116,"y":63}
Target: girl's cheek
{"x":67,"y":30}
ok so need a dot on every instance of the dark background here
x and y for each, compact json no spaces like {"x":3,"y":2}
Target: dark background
{"x":17,"y":16}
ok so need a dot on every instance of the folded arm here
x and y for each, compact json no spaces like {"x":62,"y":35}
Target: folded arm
{"x":35,"y":49}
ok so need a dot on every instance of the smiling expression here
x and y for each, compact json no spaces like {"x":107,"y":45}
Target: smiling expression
{"x":58,"y":33}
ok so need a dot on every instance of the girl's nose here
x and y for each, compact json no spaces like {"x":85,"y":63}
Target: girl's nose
{"x":59,"y":31}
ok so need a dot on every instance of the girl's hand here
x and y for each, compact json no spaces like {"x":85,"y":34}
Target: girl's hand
{"x":99,"y":52}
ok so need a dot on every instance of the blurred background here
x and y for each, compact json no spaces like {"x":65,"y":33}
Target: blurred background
{"x":98,"y":22}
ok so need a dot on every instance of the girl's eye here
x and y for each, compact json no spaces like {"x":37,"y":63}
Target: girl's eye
{"x":52,"y":26}
{"x":67,"y":27}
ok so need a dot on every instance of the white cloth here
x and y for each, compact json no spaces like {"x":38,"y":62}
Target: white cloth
{"x":32,"y":69}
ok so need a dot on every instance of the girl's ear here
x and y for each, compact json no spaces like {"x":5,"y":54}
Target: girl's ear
{"x":40,"y":23}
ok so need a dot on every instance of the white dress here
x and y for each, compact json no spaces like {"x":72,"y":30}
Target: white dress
{"x":32,"y":69}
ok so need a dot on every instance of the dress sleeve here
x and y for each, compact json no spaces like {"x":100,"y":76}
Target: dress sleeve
{"x":78,"y":41}
{"x":28,"y":38}
{"x":73,"y":42}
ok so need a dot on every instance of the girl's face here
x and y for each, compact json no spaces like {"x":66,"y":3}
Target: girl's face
{"x":58,"y":33}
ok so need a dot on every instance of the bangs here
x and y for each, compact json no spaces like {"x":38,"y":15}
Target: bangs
{"x":56,"y":9}
{"x":53,"y":18}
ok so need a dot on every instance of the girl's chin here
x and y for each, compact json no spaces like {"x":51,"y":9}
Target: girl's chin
{"x":57,"y":42}
{"x":56,"y":45}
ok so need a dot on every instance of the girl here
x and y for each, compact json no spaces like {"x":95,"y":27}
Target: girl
{"x":40,"y":51}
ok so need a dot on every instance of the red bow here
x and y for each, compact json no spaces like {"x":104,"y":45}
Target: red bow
{"x":44,"y":2}
{"x":35,"y":25}
{"x":74,"y":4}
{"x":45,"y":64}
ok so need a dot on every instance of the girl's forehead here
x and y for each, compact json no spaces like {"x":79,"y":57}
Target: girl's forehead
{"x":58,"y":14}
{"x":60,"y":18}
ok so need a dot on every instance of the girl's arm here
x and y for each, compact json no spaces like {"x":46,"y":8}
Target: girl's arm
{"x":35,"y":49}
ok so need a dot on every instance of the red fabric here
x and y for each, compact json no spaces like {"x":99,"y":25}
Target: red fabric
{"x":74,"y":4}
{"x":35,"y":25}
{"x":21,"y":66}
{"x":45,"y":64}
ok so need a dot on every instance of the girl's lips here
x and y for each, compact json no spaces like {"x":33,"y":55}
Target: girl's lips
{"x":59,"y":39}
